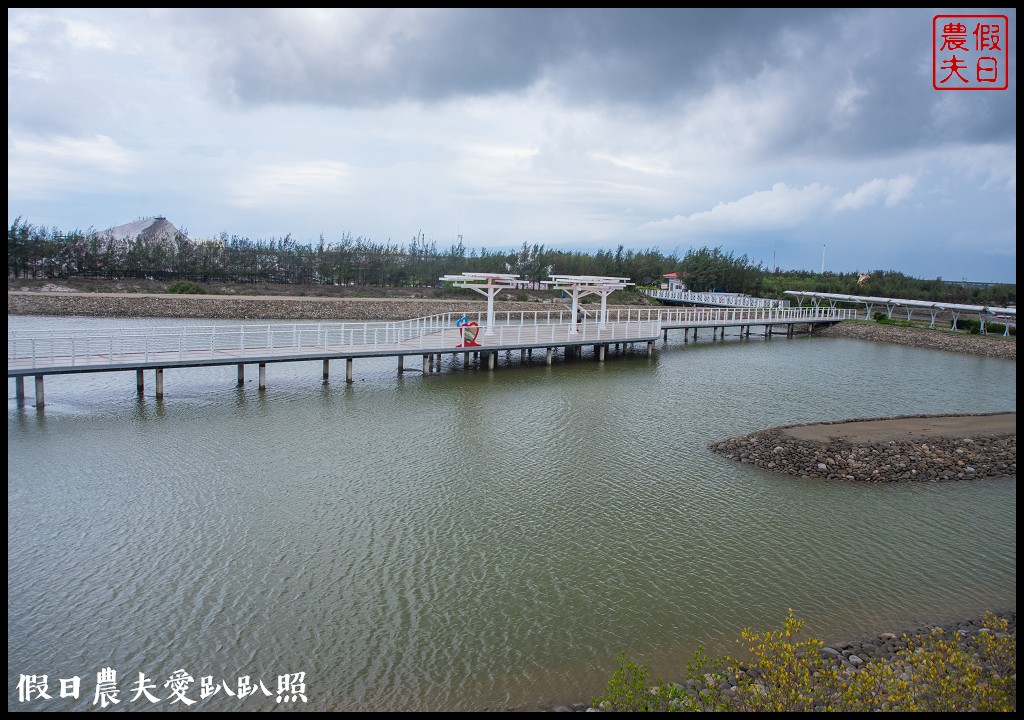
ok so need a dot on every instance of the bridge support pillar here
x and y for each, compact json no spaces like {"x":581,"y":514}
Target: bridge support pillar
{"x":327,"y":370}
{"x":789,"y":330}
{"x":159,"y":373}
{"x":600,"y":352}
{"x":140,"y":384}
{"x":40,"y":401}
{"x":401,"y":363}
{"x":547,"y":356}
{"x":263,"y":376}
{"x":19,"y":389}
{"x":664,"y":335}
{"x":348,"y":370}
{"x":426,"y":364}
{"x":465,"y":359}
{"x":492,"y":359}
{"x":241,"y":374}
{"x":650,"y":348}
{"x":522,"y":355}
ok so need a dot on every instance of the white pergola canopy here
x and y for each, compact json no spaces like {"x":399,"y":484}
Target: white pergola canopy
{"x":489,"y":284}
{"x":582,"y":285}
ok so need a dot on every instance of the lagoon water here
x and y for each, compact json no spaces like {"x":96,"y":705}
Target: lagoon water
{"x":469,"y":539}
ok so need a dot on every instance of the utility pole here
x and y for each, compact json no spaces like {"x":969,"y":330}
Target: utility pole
{"x":822,"y":259}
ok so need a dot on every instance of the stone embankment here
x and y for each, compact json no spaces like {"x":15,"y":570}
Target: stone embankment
{"x":915,"y":459}
{"x":990,"y":346}
{"x":220,"y":307}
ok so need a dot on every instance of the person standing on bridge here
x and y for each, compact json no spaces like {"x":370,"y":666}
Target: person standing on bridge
{"x":579,"y":317}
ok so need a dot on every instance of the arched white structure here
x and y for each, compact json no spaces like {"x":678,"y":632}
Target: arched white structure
{"x":890,"y":304}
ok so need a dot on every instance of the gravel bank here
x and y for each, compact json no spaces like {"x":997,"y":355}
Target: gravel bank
{"x":841,"y":455}
{"x":270,"y":307}
{"x":990,"y":346}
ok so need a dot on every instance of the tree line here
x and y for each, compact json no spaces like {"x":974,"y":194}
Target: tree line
{"x":41,"y":252}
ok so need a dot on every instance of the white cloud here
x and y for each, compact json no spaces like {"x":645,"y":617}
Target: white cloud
{"x":291,"y":184}
{"x":779,"y":208}
{"x":45,"y":167}
{"x":570,"y":128}
{"x":879,"y":190}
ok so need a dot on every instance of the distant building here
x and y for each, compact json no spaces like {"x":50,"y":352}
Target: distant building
{"x":673,"y":283}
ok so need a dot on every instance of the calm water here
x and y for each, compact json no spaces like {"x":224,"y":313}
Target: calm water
{"x":474,"y":539}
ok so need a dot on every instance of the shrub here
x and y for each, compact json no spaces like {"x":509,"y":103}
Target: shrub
{"x":186,"y":287}
{"x":934,"y":673}
{"x":999,"y":329}
{"x":967,"y":325}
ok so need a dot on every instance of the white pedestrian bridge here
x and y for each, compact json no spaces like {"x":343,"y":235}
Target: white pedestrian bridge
{"x":39,"y":353}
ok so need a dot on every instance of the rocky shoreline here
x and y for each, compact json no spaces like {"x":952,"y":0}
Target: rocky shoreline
{"x":930,"y":458}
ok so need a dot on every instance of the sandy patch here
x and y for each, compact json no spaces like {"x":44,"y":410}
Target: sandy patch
{"x":909,"y":428}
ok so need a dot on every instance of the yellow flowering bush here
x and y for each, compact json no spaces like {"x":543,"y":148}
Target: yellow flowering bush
{"x":784,"y":672}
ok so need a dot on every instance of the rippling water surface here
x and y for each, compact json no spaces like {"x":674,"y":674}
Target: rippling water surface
{"x":474,"y":539}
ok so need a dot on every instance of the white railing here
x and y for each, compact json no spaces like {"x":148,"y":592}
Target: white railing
{"x":134,"y":346}
{"x":712,"y":298}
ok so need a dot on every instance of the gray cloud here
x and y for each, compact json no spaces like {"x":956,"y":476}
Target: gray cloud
{"x":853,"y":81}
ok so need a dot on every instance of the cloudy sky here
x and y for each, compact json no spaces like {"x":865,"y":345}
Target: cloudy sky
{"x":783,"y":135}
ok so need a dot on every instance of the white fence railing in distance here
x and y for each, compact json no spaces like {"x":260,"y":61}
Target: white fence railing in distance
{"x":752,"y":316}
{"x":713,"y":298}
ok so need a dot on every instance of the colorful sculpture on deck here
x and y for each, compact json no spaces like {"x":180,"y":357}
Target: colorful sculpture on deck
{"x":468,"y":329}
